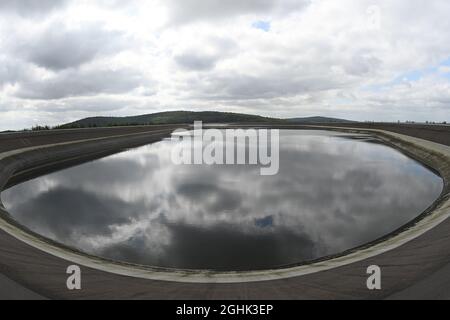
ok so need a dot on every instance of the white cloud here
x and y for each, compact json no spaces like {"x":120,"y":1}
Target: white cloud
{"x":30,"y":7}
{"x":188,"y":11}
{"x":81,"y":83}
{"x":58,"y":47}
{"x":323,"y":57}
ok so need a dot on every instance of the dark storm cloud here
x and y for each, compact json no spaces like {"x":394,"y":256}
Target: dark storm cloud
{"x":192,"y":10}
{"x":58,"y":48}
{"x":31,"y":7}
{"x":72,"y":83}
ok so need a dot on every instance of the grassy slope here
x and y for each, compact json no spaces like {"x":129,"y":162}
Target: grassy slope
{"x":176,"y":117}
{"x":173,"y":117}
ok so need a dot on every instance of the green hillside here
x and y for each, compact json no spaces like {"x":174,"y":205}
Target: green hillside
{"x":178,"y":117}
{"x":174,"y":117}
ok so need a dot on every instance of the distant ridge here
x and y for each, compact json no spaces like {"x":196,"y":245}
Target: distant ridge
{"x":178,"y":117}
{"x":171,"y":117}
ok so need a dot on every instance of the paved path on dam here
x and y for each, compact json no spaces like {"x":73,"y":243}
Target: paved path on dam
{"x":415,"y":265}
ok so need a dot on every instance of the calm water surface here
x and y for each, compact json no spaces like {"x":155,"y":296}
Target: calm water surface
{"x":333,"y":192}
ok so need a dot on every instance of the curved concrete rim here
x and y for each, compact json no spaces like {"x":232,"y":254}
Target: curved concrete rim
{"x":440,"y":213}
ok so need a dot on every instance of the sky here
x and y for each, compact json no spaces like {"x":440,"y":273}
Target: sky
{"x":384,"y":60}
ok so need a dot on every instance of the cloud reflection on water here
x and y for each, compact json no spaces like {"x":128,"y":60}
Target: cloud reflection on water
{"x":332,"y":193}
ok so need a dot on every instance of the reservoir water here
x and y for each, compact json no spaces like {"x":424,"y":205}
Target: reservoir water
{"x":333,"y":192}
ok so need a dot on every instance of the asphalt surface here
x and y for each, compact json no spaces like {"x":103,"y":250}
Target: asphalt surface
{"x":418,"y":269}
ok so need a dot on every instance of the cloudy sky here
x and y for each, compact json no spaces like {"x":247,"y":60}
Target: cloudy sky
{"x":61,"y":60}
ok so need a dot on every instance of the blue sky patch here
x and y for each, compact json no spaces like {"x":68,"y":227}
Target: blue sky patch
{"x":264,"y":222}
{"x":412,"y":76}
{"x":262,"y":25}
